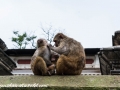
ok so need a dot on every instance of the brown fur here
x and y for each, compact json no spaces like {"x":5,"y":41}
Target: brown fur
{"x":38,"y":66}
{"x":40,"y":61}
{"x":54,"y":57}
{"x":72,"y":56}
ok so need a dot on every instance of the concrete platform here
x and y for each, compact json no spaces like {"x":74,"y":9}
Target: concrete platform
{"x":77,"y":82}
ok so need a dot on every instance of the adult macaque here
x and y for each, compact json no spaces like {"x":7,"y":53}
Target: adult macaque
{"x":72,"y":56}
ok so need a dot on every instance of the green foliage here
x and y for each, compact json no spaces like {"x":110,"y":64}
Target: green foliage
{"x":22,"y":40}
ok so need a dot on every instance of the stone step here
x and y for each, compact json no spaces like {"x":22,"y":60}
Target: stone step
{"x":32,"y":82}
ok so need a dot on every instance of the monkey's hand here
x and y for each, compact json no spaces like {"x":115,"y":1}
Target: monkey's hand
{"x":50,"y":46}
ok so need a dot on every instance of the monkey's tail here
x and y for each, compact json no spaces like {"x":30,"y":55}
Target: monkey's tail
{"x":40,"y":66}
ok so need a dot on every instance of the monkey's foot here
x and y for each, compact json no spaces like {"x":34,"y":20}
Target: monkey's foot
{"x":48,"y":73}
{"x":51,"y":70}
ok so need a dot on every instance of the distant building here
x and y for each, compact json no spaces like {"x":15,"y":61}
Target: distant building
{"x":22,"y":58}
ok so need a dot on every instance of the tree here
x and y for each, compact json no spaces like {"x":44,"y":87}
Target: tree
{"x":49,"y":32}
{"x":22,"y":40}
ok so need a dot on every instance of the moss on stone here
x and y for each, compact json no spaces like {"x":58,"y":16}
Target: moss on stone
{"x":31,"y":82}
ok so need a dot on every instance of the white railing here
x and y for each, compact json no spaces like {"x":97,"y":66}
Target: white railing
{"x":24,"y":69}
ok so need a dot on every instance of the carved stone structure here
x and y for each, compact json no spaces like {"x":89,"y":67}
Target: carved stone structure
{"x":116,"y":38}
{"x":110,"y":57}
{"x":3,"y":45}
{"x":6,"y":63}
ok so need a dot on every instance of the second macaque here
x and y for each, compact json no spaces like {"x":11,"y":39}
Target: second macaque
{"x":41,"y":60}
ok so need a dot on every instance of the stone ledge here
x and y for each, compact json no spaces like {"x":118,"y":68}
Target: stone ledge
{"x":31,"y":82}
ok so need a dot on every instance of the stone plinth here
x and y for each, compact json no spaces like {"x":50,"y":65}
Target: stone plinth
{"x":31,"y":82}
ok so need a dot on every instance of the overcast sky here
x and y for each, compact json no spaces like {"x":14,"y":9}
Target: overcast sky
{"x":91,"y":22}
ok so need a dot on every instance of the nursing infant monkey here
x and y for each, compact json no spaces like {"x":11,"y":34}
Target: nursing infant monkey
{"x":72,"y":56}
{"x":41,"y":61}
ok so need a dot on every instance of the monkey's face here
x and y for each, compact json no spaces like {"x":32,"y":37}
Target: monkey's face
{"x":41,"y":42}
{"x":57,"y":42}
{"x":57,"y":39}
